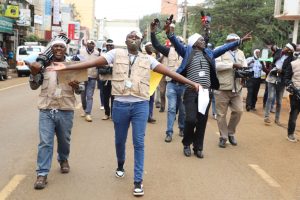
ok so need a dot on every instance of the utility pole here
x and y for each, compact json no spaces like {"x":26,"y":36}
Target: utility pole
{"x":185,"y":20}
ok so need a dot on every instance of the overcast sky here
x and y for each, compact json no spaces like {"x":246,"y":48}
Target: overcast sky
{"x":129,"y":9}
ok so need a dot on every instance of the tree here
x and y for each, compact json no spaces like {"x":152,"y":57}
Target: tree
{"x":240,"y":16}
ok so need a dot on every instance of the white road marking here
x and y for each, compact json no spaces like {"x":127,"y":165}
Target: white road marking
{"x":264,"y":175}
{"x":11,"y":186}
{"x":13,"y":86}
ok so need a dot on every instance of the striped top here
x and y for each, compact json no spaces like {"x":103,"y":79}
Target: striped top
{"x":199,"y":70}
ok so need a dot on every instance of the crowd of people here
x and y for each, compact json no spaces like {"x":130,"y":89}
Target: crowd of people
{"x":123,"y":77}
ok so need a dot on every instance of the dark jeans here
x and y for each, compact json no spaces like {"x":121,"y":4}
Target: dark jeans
{"x":106,"y":96}
{"x":253,"y":85}
{"x":195,"y":122}
{"x":151,"y":104}
{"x":100,"y":87}
{"x":295,"y":108}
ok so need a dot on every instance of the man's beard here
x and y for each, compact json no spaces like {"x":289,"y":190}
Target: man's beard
{"x":133,"y":45}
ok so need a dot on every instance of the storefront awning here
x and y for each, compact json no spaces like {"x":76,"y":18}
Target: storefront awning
{"x":6,"y":25}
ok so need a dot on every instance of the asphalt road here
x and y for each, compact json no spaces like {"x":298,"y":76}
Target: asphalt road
{"x":264,"y":165}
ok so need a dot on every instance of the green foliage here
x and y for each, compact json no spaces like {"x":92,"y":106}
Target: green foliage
{"x":31,"y":38}
{"x":240,"y":17}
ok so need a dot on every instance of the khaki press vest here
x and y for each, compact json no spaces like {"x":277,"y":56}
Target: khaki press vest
{"x":47,"y":98}
{"x":140,"y":75}
{"x":296,"y":73}
{"x":226,"y":77}
{"x":92,"y":72}
{"x":174,"y":61}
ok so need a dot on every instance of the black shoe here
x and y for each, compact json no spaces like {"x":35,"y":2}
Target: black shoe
{"x":232,"y":140}
{"x":151,"y":120}
{"x":253,"y":109}
{"x":222,"y":142}
{"x":248,"y":108}
{"x":199,"y":153}
{"x":64,"y":166}
{"x":181,"y":133}
{"x":187,"y":151}
{"x":161,"y":110}
{"x":168,"y":138}
{"x":138,"y":189}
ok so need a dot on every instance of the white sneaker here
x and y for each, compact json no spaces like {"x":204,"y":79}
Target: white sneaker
{"x":138,"y":189}
{"x":292,"y":138}
{"x":120,"y":173}
{"x":88,"y":118}
{"x":102,"y":107}
{"x":82,"y":114}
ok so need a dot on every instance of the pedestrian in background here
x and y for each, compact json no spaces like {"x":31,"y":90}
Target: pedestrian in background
{"x":230,"y":92}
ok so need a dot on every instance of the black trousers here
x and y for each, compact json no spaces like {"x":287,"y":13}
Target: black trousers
{"x":294,"y":112}
{"x":195,"y":122}
{"x":106,"y":97}
{"x":253,"y":85}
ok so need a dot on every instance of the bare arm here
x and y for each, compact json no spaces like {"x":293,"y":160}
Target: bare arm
{"x":178,"y":77}
{"x":100,"y":61}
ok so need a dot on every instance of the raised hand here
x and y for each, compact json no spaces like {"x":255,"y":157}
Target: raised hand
{"x":34,"y":67}
{"x":247,"y":37}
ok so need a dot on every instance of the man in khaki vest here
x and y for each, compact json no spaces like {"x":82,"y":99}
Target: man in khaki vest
{"x":130,"y":85}
{"x":56,"y":103}
{"x":230,"y":92}
{"x":88,"y":53}
{"x":292,"y":79}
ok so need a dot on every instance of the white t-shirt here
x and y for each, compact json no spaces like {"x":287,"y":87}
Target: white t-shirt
{"x":110,"y":57}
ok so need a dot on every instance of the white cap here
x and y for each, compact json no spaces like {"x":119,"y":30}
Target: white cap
{"x":138,"y":33}
{"x":193,"y":39}
{"x":172,"y":25}
{"x":148,"y":43}
{"x":59,"y":41}
{"x":233,"y":36}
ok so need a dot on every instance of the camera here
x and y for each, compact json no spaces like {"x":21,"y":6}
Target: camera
{"x":45,"y":58}
{"x":293,"y":90}
{"x":243,"y":72}
{"x":170,"y":19}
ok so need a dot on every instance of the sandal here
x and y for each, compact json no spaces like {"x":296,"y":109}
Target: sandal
{"x":40,"y":182}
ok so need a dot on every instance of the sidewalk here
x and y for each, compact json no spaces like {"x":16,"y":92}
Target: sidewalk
{"x":285,"y":108}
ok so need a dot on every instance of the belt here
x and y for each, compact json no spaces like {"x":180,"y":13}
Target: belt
{"x":176,"y":82}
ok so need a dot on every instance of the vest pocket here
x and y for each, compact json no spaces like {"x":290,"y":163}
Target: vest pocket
{"x":118,"y":87}
{"x":44,"y":86}
{"x":144,"y":88}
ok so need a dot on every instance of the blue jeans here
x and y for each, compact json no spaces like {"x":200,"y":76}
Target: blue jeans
{"x":101,"y":87}
{"x":277,"y":92}
{"x":151,"y":105}
{"x":53,"y":122}
{"x":90,"y":88}
{"x":175,"y":94}
{"x":137,"y":114}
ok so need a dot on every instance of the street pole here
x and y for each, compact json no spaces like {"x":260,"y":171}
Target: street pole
{"x":185,"y":20}
{"x":295,"y":32}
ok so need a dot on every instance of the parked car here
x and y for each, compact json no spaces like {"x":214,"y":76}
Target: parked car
{"x":21,"y":53}
{"x":3,"y":68}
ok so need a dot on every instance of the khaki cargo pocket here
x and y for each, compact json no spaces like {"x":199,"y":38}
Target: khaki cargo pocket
{"x":118,"y":87}
{"x":144,"y":88}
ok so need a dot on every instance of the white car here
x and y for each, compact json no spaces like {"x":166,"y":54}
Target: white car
{"x":21,"y":54}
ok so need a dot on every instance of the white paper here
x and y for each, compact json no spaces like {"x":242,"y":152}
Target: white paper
{"x":203,"y":100}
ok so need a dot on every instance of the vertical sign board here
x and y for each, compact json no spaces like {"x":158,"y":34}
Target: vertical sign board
{"x":71,"y":31}
{"x":77,"y":31}
{"x":56,"y":13}
{"x":47,"y":17}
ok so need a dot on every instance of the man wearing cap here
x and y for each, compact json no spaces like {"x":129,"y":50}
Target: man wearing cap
{"x":281,"y":60}
{"x":175,"y":89}
{"x":130,"y":85}
{"x":87,"y":97}
{"x":198,"y":65}
{"x":292,"y":78}
{"x":105,"y":82}
{"x":230,"y":92}
{"x":253,"y":83}
{"x":56,"y":105}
